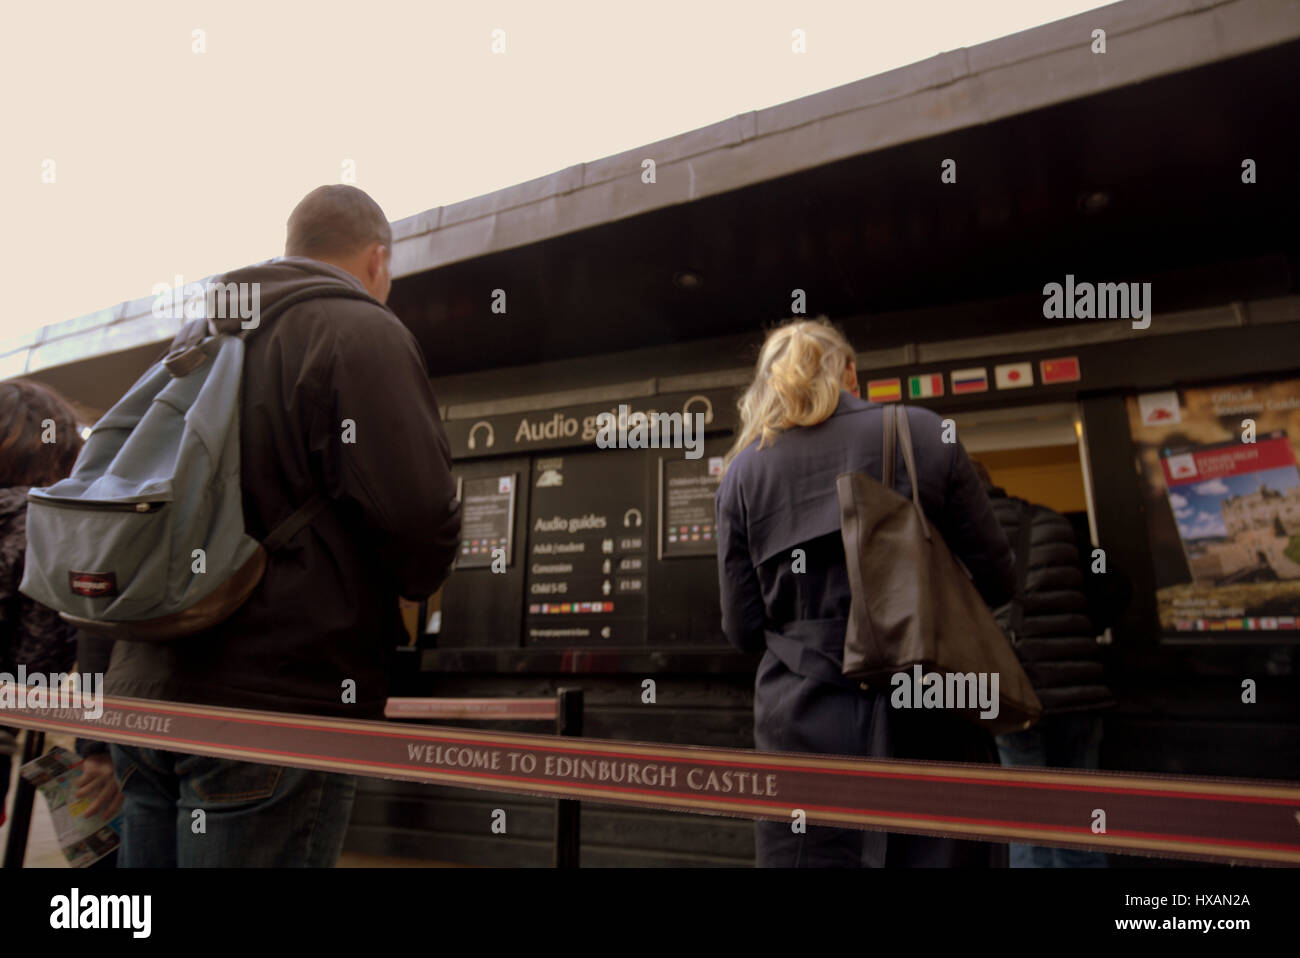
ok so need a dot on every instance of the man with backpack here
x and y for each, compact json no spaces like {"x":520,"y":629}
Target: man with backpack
{"x":346,"y":488}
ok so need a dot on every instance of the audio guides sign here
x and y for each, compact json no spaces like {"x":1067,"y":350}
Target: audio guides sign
{"x":574,"y":426}
{"x":588,"y":555}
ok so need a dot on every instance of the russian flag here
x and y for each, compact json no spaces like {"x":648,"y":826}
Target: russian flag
{"x":974,"y":380}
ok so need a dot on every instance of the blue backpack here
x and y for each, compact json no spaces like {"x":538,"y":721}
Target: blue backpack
{"x":145,"y":539}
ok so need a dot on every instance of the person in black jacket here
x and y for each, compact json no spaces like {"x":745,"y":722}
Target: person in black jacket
{"x":337,"y":401}
{"x":803,"y":424}
{"x":1054,"y":635}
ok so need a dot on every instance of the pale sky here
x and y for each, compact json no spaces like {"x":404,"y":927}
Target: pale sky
{"x":167,"y":161}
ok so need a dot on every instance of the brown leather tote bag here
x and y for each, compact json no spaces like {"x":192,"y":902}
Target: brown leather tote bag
{"x":914,"y":602}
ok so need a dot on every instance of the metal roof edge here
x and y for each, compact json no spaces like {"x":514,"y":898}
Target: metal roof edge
{"x":1155,"y":38}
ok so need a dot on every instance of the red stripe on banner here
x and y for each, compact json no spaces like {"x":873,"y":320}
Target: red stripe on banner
{"x":760,"y":765}
{"x":757,"y":763}
{"x":1207,"y":819}
{"x":437,"y":735}
{"x":808,"y":806}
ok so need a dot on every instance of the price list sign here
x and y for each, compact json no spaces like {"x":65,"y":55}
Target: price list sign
{"x":487,"y":520}
{"x":686,"y":491}
{"x":587,"y":550}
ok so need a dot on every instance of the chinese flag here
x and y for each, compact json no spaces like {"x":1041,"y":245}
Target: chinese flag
{"x":1059,"y":370}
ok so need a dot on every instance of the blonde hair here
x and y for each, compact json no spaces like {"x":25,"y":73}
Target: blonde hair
{"x":797,"y":381}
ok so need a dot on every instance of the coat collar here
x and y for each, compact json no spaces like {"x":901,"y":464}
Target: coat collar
{"x":851,"y":403}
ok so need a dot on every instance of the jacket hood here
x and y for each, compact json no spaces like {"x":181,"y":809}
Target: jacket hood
{"x":279,"y":278}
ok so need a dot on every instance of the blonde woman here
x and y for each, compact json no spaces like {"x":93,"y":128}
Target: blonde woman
{"x":803,"y":424}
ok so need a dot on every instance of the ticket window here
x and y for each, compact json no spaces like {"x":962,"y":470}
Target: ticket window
{"x":1035,"y":453}
{"x":1039,"y":454}
{"x":1048,"y":475}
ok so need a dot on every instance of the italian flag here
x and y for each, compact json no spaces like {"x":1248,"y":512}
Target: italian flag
{"x":919,"y":387}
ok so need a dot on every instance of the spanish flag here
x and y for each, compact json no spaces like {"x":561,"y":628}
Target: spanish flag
{"x":885,"y":390}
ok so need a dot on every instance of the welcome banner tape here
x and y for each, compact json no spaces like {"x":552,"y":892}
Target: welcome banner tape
{"x":1207,"y":819}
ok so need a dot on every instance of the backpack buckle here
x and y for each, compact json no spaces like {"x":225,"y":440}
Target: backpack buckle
{"x":182,"y":362}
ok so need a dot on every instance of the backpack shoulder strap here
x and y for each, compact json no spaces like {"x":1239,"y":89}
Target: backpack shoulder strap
{"x":295,"y":523}
{"x":189,"y":349}
{"x":301,"y":517}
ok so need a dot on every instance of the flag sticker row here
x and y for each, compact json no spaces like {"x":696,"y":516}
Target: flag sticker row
{"x":1063,"y":369}
{"x":1268,"y":624}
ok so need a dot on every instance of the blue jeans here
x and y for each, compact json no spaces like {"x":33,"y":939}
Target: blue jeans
{"x":254,"y":815}
{"x":1072,"y":740}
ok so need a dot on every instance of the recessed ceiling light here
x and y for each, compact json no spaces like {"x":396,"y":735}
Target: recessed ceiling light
{"x":1093,"y":202}
{"x":688,"y":279}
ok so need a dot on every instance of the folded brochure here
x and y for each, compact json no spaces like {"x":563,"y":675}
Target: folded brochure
{"x":84,"y":839}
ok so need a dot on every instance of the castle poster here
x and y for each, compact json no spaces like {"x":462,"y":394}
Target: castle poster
{"x":1221,"y":490}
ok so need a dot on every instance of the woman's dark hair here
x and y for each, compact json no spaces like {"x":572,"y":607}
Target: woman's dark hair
{"x":31,"y":414}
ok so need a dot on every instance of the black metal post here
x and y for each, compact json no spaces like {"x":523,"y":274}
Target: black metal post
{"x":24,"y":794}
{"x":568,"y":825}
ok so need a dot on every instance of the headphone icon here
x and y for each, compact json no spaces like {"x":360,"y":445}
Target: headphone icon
{"x":708,"y":407}
{"x":491,"y":436}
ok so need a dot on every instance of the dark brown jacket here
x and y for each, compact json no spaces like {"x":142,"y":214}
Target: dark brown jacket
{"x":326,"y":611}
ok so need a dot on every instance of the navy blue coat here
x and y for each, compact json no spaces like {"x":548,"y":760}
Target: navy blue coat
{"x":781,"y":498}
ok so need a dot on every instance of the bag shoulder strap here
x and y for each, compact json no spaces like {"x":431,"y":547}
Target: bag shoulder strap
{"x":887,"y":448}
{"x":909,"y":459}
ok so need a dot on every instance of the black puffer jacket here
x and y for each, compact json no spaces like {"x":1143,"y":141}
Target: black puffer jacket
{"x":1056,"y":639}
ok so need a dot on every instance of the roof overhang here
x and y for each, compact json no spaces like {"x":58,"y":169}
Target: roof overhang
{"x":839,"y":194}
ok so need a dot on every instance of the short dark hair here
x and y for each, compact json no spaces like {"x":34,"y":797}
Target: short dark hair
{"x":25,"y":460}
{"x":336,"y":220}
